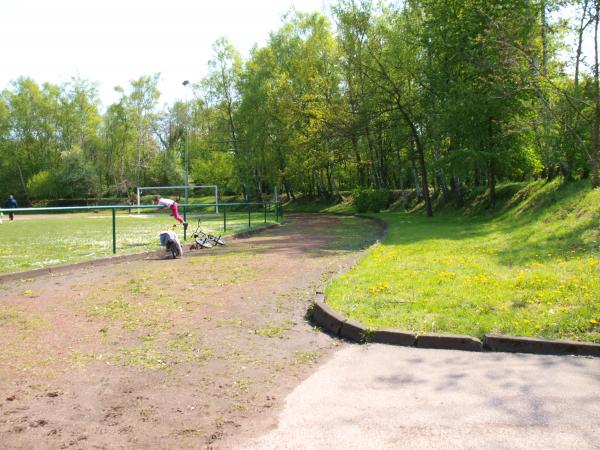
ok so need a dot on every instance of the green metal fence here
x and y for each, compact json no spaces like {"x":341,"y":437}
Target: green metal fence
{"x":265,"y":209}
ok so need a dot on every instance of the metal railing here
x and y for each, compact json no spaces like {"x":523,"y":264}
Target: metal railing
{"x":185,"y":207}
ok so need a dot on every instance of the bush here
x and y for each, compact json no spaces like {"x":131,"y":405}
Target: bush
{"x":77,"y":175}
{"x":380,"y":199}
{"x":361,"y":200}
{"x":373,"y":200}
{"x":42,"y":185}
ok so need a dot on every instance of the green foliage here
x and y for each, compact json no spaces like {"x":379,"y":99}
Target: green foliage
{"x":165,"y":169}
{"x":373,"y":200}
{"x":361,"y":200}
{"x":42,"y":185}
{"x":450,"y":96}
{"x":74,"y":177}
{"x":218,"y":168}
{"x":380,"y":200}
{"x":77,"y":175}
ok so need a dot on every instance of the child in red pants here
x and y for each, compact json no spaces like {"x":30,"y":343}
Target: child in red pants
{"x":172,"y":205}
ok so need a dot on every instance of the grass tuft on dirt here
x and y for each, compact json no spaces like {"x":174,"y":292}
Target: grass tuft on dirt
{"x":532,"y":269}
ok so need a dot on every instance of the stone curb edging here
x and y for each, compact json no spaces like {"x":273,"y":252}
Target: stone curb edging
{"x":449,"y":342}
{"x":511,"y":344}
{"x":63,"y":268}
{"x":338,"y":325}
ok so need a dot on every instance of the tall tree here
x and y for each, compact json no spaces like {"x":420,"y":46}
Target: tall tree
{"x":142,"y":102}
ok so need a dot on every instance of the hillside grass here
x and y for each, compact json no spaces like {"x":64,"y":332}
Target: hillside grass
{"x":317,"y":205}
{"x":531,"y":268}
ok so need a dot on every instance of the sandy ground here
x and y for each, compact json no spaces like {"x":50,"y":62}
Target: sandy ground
{"x":185,"y":353}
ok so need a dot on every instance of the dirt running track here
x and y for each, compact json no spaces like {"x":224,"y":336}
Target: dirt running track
{"x":169,"y":354}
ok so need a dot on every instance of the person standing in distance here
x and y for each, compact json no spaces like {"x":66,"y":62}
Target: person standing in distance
{"x":11,"y":203}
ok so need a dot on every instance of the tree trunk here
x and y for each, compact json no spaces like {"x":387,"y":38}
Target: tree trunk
{"x":404,"y":112}
{"x":374,"y":177}
{"x":580,"y":31}
{"x":416,"y":180}
{"x":332,"y":184}
{"x":259,"y":185}
{"x":544,"y":26}
{"x":437,"y":153}
{"x":288,"y":191}
{"x":478,"y":177}
{"x":321,"y":186}
{"x":546,"y":147}
{"x":421,"y":158}
{"x":491,"y":172}
{"x":383,"y":175}
{"x":441,"y":179}
{"x":403,"y":191}
{"x":23,"y":184}
{"x":359,"y":166}
{"x":492,"y":182}
{"x":596,"y":121}
{"x":458,"y":192}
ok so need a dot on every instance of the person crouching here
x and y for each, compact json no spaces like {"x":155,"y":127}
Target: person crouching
{"x":169,"y":239}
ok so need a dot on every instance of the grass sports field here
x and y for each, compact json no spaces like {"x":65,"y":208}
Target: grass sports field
{"x":34,"y":241}
{"x":533,"y":270}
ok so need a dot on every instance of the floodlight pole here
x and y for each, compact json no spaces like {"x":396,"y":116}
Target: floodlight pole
{"x":187,"y":138}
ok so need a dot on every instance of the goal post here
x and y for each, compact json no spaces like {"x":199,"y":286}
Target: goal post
{"x":186,"y":190}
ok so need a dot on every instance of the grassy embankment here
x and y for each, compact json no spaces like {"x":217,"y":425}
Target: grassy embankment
{"x":532,"y":268}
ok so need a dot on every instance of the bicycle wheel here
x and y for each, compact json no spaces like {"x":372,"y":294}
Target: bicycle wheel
{"x":203,"y":242}
{"x":216,"y":239}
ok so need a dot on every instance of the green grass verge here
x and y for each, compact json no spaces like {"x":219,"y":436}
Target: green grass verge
{"x":531,"y":270}
{"x":46,"y":241}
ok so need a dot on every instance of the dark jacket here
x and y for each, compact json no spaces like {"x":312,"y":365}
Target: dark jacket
{"x":10,"y":203}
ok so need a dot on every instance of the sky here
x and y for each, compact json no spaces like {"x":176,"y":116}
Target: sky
{"x":114,"y":41}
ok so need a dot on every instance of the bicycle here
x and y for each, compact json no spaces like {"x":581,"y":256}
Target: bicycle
{"x":205,"y":240}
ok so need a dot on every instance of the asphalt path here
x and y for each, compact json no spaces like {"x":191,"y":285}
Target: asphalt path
{"x":378,"y":396}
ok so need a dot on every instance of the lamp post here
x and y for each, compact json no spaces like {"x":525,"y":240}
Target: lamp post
{"x":187,"y":139}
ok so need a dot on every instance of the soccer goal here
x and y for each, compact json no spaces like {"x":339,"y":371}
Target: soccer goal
{"x":178,"y":190}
